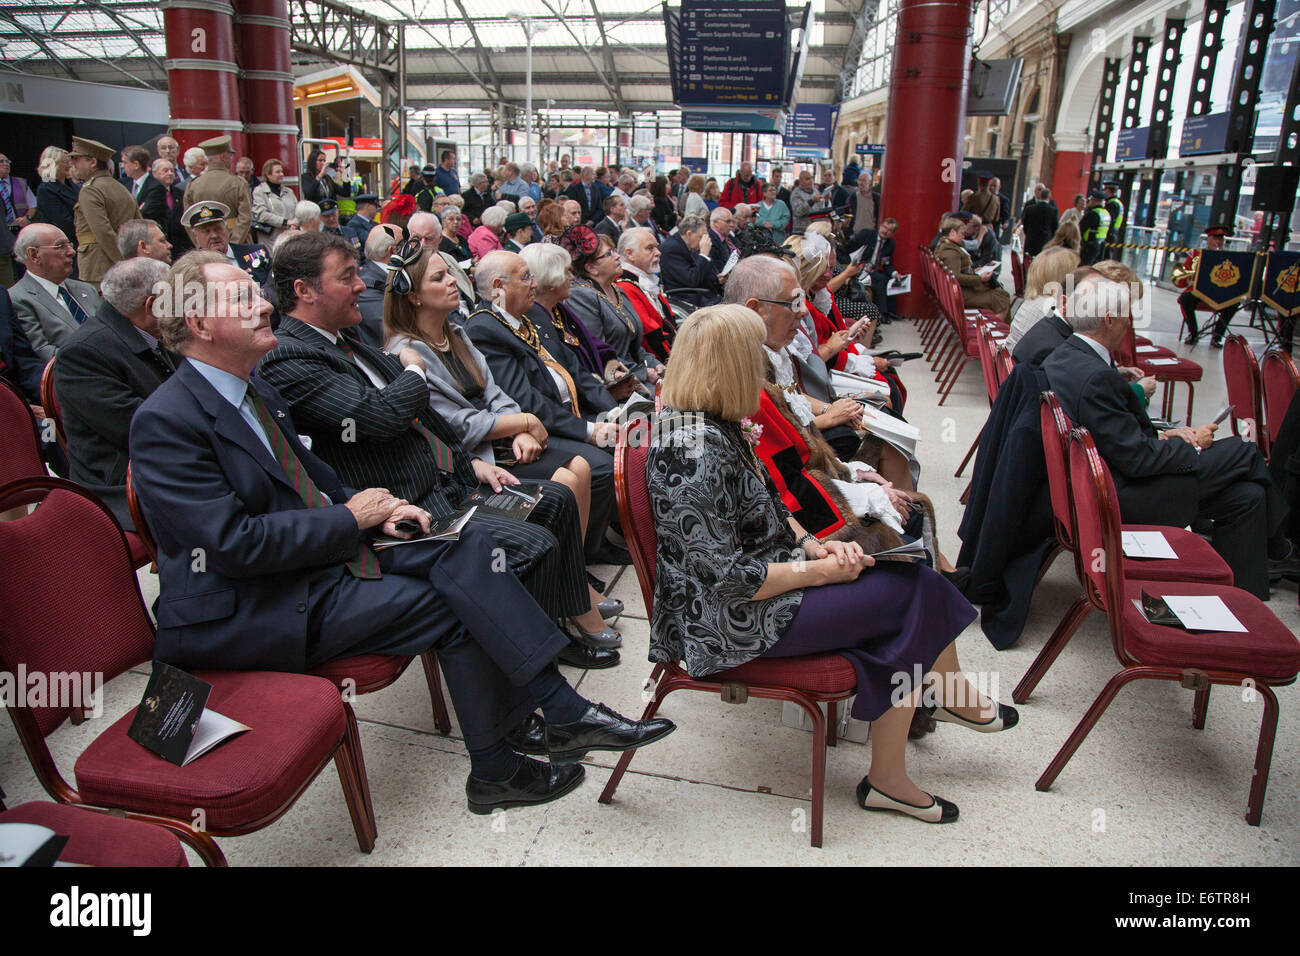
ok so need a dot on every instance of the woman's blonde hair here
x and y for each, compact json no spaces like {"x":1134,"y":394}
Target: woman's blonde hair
{"x":48,"y":168}
{"x":400,"y":317}
{"x":809,"y":269}
{"x":712,"y":190}
{"x":1049,"y":268}
{"x":1067,"y":235}
{"x":717,"y":365}
{"x":696,"y":183}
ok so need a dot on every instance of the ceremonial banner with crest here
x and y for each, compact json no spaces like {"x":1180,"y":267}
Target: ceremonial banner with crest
{"x":1282,"y":283}
{"x":1223,"y":278}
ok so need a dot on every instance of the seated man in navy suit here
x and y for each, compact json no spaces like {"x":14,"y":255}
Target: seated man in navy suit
{"x":265,"y":564}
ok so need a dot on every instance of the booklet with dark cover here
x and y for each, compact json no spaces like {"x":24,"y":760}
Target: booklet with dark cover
{"x":173,"y":720}
{"x":1157,"y":611}
{"x":512,"y":501}
{"x":446,"y":528}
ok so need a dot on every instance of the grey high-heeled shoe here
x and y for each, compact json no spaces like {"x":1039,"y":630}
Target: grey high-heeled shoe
{"x":606,"y":637}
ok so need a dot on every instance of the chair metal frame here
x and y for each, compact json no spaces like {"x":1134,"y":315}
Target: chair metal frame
{"x":50,"y":402}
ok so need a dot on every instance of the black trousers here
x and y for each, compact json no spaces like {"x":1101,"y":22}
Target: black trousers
{"x":601,"y":463}
{"x":490,"y":635}
{"x":1231,"y":487}
{"x":1284,"y":466}
{"x":1187,"y":303}
{"x":544,"y":552}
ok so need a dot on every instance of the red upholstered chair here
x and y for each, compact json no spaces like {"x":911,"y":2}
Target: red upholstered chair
{"x":1242,"y":376}
{"x":1267,"y":655}
{"x":1279,"y":381}
{"x":1182,"y":370}
{"x":299,"y":723}
{"x":806,"y":681}
{"x":97,"y":839}
{"x":50,"y":402}
{"x":988,"y":356}
{"x":1019,"y":266}
{"x":1005,"y":363}
{"x":20,"y":437}
{"x":362,"y":674}
{"x":1197,"y":561}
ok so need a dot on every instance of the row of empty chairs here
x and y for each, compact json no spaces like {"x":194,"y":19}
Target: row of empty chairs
{"x":950,"y":336}
{"x":1259,"y":390}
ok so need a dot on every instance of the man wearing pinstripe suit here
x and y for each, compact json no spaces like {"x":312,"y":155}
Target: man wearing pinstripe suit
{"x":369,"y":417}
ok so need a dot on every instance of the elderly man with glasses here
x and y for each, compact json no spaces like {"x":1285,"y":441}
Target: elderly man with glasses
{"x":48,"y":303}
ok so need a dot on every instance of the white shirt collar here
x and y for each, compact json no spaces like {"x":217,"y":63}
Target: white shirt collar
{"x":330,"y":336}
{"x":48,"y":286}
{"x":137,"y":182}
{"x":649,"y":282}
{"x":510,"y":319}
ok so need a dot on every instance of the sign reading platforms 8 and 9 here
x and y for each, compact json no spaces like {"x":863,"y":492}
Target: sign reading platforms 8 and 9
{"x":733,"y":54}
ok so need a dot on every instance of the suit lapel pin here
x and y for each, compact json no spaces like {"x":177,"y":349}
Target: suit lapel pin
{"x":279,"y":413}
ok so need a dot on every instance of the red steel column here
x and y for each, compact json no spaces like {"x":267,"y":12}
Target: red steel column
{"x":266,"y":78}
{"x":925,"y":133}
{"x":202,"y":78}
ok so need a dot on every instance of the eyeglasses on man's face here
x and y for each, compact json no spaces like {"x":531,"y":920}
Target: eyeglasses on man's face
{"x":795,"y":304}
{"x":62,"y":245}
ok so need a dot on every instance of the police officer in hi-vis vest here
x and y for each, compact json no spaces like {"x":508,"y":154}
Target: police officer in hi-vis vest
{"x":1095,"y":226}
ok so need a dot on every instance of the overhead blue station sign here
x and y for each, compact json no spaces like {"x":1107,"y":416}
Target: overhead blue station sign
{"x":810,"y":126}
{"x":1132,"y":143}
{"x":732,"y":54}
{"x":1204,"y":135}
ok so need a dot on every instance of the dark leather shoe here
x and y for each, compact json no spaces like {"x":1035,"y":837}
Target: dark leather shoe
{"x":534,"y":782}
{"x":588,"y":658}
{"x":1288,"y":567}
{"x":602,"y":729}
{"x":529,"y":737}
{"x":596,"y":582}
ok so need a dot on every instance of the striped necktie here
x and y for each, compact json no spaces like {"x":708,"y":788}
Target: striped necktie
{"x":6,"y":194}
{"x":442,"y":455}
{"x":70,"y":301}
{"x":366,"y":563}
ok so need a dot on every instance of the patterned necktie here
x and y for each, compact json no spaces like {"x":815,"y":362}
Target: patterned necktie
{"x":70,"y":301}
{"x":366,"y":563}
{"x":6,"y":195}
{"x":441,"y":453}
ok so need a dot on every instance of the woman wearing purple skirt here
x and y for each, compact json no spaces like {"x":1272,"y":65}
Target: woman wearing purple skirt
{"x":738,"y":578}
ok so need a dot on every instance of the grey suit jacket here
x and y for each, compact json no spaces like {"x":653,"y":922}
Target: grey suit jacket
{"x":44,"y":318}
